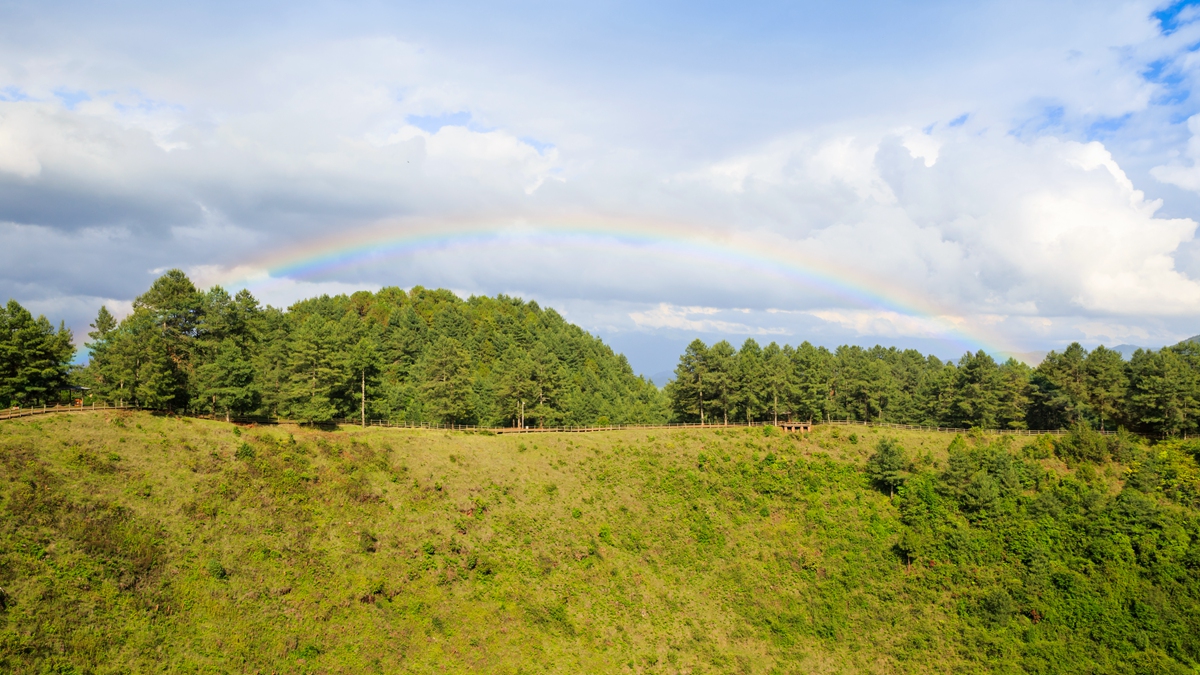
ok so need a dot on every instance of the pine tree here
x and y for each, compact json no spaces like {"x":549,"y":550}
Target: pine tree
{"x":686,"y":392}
{"x":1163,"y":396}
{"x":227,"y":383}
{"x":1106,"y":385}
{"x":751,"y":380}
{"x":778,"y":381}
{"x":815,"y":392}
{"x":364,"y":360}
{"x":157,"y":378}
{"x":315,"y":371}
{"x":517,"y":389}
{"x":548,"y":384}
{"x":447,"y":386}
{"x":34,"y":357}
{"x":1014,"y":395}
{"x":722,"y":378}
{"x":977,"y":392}
{"x":1059,"y":396}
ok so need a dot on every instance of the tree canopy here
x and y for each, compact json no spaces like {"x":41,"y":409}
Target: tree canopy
{"x":419,"y":355}
{"x":1156,"y":392}
{"x":429,"y":356}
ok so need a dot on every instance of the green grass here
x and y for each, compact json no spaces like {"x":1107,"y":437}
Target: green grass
{"x":135,"y":543}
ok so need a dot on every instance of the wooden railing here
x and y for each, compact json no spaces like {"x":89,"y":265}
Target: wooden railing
{"x":13,"y":413}
{"x":350,"y":421}
{"x":956,"y":430}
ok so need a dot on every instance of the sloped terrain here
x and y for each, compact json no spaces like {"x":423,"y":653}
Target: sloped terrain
{"x":136,"y":543}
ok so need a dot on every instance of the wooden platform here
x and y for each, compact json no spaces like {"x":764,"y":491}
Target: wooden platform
{"x":802,"y":427}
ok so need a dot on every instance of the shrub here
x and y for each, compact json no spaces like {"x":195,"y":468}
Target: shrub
{"x":996,"y":607}
{"x":367,"y":542}
{"x":1082,"y":444}
{"x":1039,"y":448}
{"x":886,"y":465}
{"x":244,"y":451}
{"x":216,"y":570}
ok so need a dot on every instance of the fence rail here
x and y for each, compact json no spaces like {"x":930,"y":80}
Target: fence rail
{"x":13,"y":413}
{"x":957,"y":430}
{"x":351,"y":421}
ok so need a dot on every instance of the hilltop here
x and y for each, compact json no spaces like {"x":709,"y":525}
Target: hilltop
{"x":132,"y":542}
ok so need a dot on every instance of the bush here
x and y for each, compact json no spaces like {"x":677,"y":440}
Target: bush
{"x":244,"y":451}
{"x":996,"y":607}
{"x":216,"y":570}
{"x":886,"y":465}
{"x":366,"y":542}
{"x":1082,"y":444}
{"x":1039,"y":448}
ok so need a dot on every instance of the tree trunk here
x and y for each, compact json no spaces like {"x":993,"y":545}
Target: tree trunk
{"x":364,"y":398}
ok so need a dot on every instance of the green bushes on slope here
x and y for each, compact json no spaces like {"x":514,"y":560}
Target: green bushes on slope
{"x":136,"y":542}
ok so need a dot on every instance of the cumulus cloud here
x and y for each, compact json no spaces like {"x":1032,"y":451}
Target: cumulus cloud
{"x":693,"y":319}
{"x":972,"y":184}
{"x":985,"y":223}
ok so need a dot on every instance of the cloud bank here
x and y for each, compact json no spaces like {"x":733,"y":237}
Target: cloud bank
{"x":1007,"y":182}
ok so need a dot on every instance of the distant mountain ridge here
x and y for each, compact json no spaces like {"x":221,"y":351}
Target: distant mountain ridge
{"x":1126,"y":351}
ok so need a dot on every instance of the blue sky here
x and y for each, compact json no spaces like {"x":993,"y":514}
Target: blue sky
{"x":1029,"y":169}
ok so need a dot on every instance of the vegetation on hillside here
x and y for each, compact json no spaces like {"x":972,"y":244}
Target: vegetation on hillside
{"x":131,"y":542}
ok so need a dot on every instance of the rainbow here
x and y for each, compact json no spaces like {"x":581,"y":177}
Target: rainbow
{"x":762,"y":253}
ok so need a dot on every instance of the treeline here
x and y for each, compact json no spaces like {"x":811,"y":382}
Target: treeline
{"x":1156,"y":392}
{"x":421,"y":356}
{"x":429,"y":356}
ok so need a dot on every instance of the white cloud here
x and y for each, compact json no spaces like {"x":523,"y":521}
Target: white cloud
{"x":884,"y":323}
{"x":994,"y":225}
{"x":1007,"y":219}
{"x":17,"y":155}
{"x":680,"y":318}
{"x":456,"y":151}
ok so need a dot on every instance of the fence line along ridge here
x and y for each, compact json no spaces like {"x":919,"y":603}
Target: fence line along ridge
{"x":44,"y":410}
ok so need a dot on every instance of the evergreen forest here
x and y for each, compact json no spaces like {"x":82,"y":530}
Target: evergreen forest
{"x":419,"y":356}
{"x":1156,"y":392}
{"x":427,"y":356}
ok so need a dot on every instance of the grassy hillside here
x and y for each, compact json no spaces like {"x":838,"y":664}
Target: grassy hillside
{"x":132,"y":543}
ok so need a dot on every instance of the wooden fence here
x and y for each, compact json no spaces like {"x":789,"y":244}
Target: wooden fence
{"x":13,"y":413}
{"x":45,"y":410}
{"x":957,"y":430}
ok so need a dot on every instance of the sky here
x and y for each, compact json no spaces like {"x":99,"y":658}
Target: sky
{"x":1008,"y":176}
